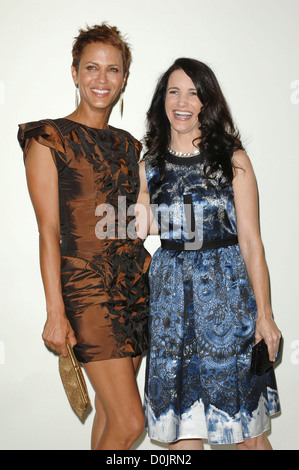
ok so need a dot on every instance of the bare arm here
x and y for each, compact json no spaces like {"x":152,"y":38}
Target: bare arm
{"x":42,"y":180}
{"x":145,"y":222}
{"x":246,"y":202}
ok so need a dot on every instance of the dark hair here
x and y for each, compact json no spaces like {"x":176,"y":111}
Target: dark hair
{"x":219,"y":137}
{"x":105,"y":34}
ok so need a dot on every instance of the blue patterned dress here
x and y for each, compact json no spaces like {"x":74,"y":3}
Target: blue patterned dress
{"x":202,"y":320}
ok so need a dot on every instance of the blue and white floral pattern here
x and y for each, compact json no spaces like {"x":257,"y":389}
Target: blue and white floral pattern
{"x":202,"y":325}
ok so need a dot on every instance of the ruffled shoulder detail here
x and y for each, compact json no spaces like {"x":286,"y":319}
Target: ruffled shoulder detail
{"x":46,"y":133}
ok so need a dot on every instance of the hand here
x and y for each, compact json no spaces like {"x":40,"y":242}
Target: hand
{"x":57,"y":332}
{"x":266,"y":329}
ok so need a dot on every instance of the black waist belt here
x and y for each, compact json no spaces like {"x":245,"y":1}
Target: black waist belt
{"x":208,"y":245}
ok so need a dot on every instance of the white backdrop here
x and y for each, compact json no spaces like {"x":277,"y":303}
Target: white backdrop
{"x":253,"y":48}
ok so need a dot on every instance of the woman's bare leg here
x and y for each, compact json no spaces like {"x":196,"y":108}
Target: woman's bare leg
{"x":186,"y":444}
{"x":257,"y":443}
{"x":99,"y":422}
{"x":115,"y":427}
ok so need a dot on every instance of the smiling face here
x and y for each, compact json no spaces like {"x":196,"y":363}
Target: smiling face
{"x":182,"y":104}
{"x":100,"y":77}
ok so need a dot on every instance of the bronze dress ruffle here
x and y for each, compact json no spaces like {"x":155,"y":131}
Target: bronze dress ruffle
{"x":104,"y":281}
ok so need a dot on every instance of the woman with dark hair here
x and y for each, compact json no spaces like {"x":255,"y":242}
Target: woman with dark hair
{"x":78,"y":169}
{"x":209,"y":286}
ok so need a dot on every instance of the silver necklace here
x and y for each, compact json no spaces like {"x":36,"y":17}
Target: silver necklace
{"x":181,"y":154}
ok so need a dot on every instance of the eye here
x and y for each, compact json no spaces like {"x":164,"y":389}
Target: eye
{"x":114,"y":69}
{"x":91,"y":67}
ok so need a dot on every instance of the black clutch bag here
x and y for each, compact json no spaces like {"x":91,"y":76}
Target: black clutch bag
{"x":260,"y":361}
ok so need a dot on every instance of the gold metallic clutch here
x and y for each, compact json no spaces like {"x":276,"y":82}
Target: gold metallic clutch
{"x":74,"y":383}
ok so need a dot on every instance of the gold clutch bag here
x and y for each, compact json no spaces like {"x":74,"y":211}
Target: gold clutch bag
{"x":74,"y":383}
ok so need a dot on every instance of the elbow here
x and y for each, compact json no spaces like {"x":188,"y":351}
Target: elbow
{"x":251,"y":246}
{"x":49,"y":231}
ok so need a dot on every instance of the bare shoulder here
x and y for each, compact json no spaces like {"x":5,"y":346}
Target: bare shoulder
{"x":35,"y":150}
{"x":241,"y":158}
{"x":39,"y":163}
{"x":242,"y":164}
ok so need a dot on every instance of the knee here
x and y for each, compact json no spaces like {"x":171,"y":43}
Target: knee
{"x":127,"y":429}
{"x":136,"y":428}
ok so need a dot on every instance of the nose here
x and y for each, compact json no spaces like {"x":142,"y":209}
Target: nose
{"x":102,"y":76}
{"x":182,"y":100}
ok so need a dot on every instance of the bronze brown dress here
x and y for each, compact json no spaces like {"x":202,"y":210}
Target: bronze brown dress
{"x":104,"y":275}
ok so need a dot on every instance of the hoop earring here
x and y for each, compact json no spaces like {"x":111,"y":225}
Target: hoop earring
{"x":121,"y":105}
{"x":77,"y":96}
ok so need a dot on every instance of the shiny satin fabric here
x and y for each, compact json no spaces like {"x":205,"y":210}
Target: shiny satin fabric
{"x":104,"y":280}
{"x":202,"y":319}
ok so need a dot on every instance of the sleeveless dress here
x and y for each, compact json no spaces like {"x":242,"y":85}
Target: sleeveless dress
{"x":104,"y":268}
{"x":202,"y":317}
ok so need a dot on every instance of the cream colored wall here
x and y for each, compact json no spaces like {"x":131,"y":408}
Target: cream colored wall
{"x":253,"y":48}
